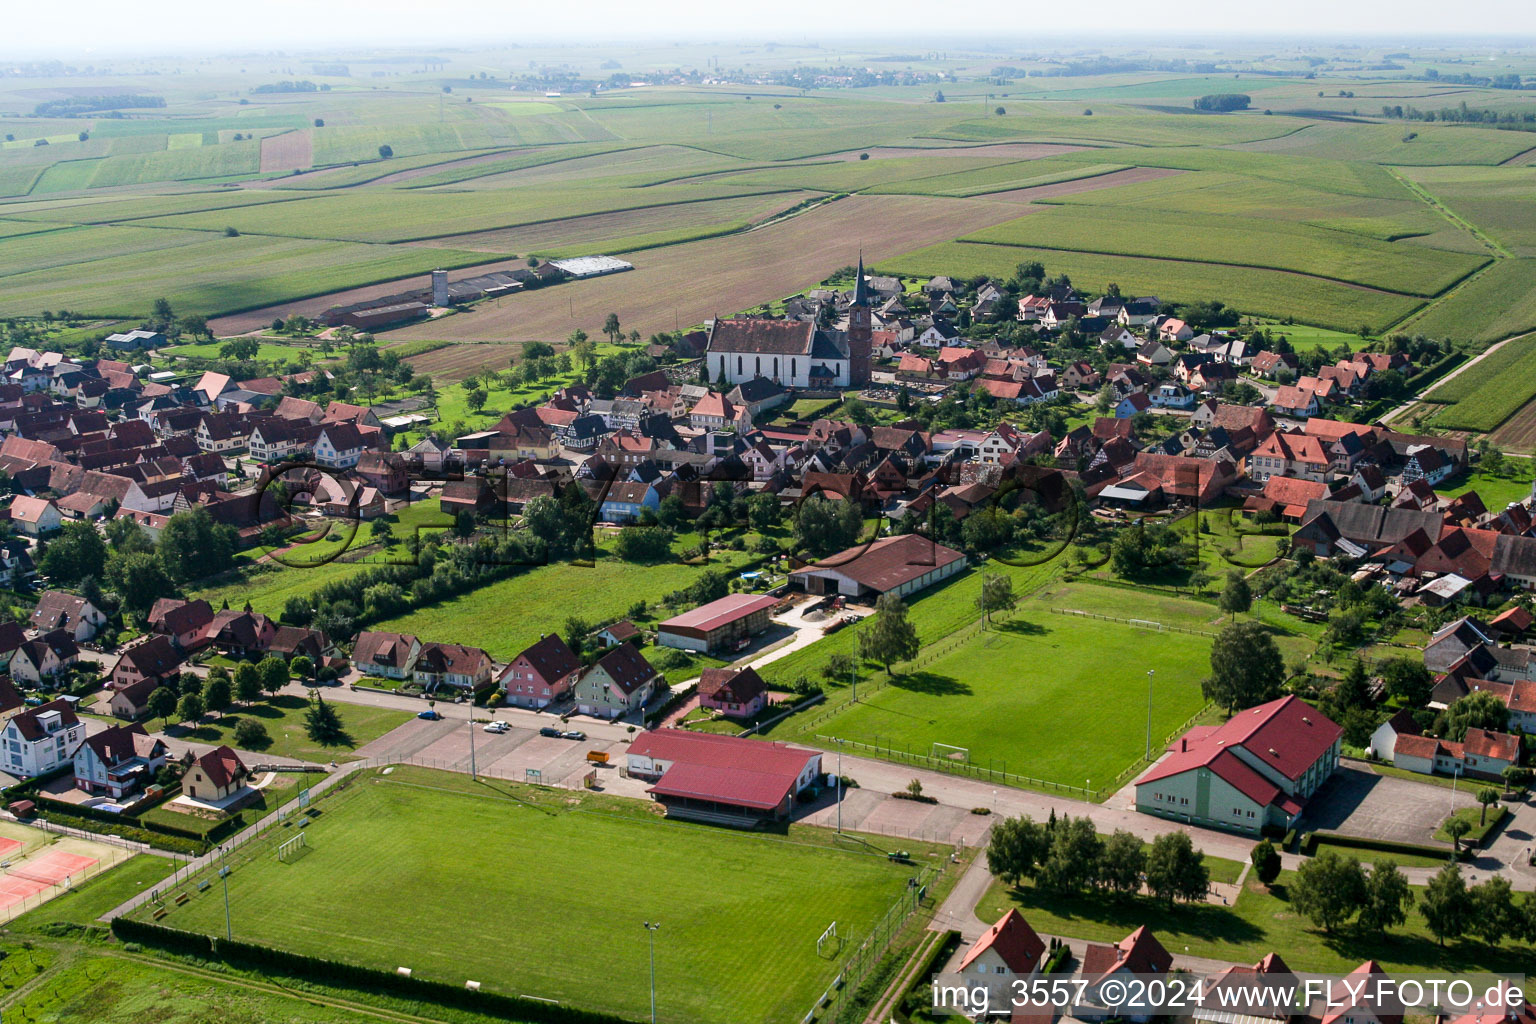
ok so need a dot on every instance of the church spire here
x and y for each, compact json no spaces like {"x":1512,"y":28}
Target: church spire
{"x":860,"y":291}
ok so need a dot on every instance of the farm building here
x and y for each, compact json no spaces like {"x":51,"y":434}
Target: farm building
{"x":722,"y":779}
{"x":383,"y":316}
{"x":1256,"y":770}
{"x":591,"y":266}
{"x":718,"y":624}
{"x":892,"y":565}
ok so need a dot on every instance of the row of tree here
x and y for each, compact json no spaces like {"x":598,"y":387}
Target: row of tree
{"x":1069,"y":857}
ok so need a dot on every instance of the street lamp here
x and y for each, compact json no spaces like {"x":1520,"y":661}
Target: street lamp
{"x":650,"y":930}
{"x":229,"y":928}
{"x":472,"y":738}
{"x":1149,"y":713}
{"x":839,"y":786}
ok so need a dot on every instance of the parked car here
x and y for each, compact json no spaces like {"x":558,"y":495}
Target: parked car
{"x":574,"y":734}
{"x":550,"y":730}
{"x":429,"y":715}
{"x":497,"y":727}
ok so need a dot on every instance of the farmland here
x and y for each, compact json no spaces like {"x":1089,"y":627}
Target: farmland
{"x":564,"y":897}
{"x":1491,"y":390}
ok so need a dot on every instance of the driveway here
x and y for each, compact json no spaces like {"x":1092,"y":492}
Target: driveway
{"x":1358,"y":802}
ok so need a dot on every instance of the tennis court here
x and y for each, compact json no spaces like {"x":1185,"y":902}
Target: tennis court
{"x":36,"y":866}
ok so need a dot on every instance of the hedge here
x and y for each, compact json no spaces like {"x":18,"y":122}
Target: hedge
{"x":339,"y":974}
{"x":175,"y":844}
{"x":219,"y":832}
{"x":1311,"y":839}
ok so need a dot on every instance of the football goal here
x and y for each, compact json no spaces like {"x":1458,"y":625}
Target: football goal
{"x":828,"y":945}
{"x":948,"y":752}
{"x":292,"y":849}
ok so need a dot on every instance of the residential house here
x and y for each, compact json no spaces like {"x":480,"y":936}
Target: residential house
{"x":41,"y":739}
{"x":340,"y":445}
{"x":1428,"y":464}
{"x":388,"y":655}
{"x":35,"y":517}
{"x":1295,"y":455}
{"x":384,"y":471}
{"x":1174,"y":329}
{"x":1006,"y":953}
{"x":1138,"y":955}
{"x":735,"y":692}
{"x":541,"y":674}
{"x":182,"y":621}
{"x":154,"y":659}
{"x":1154,"y":353}
{"x":215,"y":776}
{"x":132,"y":701}
{"x":1482,"y":753}
{"x":45,"y":657}
{"x":75,"y":615}
{"x":1270,"y":365}
{"x":620,"y":682}
{"x":1131,"y":404}
{"x":1296,"y":402}
{"x":454,"y":666}
{"x":120,"y":761}
{"x":624,"y":502}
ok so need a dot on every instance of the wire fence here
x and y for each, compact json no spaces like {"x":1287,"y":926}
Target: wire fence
{"x":867,"y":954}
{"x":1161,"y":627}
{"x":905,"y":755}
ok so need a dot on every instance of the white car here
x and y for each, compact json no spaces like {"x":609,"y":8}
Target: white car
{"x":497,"y":727}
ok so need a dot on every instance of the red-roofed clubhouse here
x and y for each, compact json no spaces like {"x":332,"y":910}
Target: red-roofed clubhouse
{"x":1256,"y":770}
{"x":722,"y":779}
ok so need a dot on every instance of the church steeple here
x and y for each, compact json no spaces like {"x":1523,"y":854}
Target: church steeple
{"x":860,"y":291}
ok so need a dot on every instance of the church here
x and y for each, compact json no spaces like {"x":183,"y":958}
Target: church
{"x":794,"y":353}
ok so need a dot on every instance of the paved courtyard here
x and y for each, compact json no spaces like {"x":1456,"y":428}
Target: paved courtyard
{"x":1358,"y":802}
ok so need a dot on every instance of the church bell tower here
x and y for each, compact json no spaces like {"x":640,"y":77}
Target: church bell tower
{"x":860,"y":332}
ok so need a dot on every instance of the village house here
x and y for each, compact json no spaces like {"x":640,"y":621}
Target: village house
{"x":182,"y":621}
{"x":132,"y":701}
{"x":620,"y":682}
{"x":44,"y":657}
{"x":541,"y":674}
{"x":1008,"y":951}
{"x":387,"y":655}
{"x":35,"y":517}
{"x":735,"y":692}
{"x":59,"y":609}
{"x":339,"y":446}
{"x":452,"y":666}
{"x":215,"y":776}
{"x":120,"y":761}
{"x":154,"y":659}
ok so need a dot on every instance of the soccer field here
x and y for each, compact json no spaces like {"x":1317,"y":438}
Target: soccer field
{"x":543,"y":893}
{"x":1056,"y":697}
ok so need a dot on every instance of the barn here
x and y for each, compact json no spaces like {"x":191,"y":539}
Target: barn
{"x":718,"y":624}
{"x":892,"y":565}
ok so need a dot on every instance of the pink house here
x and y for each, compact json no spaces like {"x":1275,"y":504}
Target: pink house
{"x":541,"y":674}
{"x":739,"y":693}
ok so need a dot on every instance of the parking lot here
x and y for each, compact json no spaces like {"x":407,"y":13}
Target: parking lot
{"x":1358,"y":802}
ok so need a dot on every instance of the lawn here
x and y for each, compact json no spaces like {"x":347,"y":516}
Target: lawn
{"x":83,"y":904}
{"x":1005,"y":694}
{"x":283,"y":716}
{"x":1261,"y":922}
{"x":1496,"y":491}
{"x":576,"y":900}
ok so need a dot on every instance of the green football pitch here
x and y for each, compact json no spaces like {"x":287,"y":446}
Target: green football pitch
{"x":543,"y":893}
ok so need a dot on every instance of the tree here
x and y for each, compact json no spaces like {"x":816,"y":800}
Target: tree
{"x":76,"y":554}
{"x":321,"y":722}
{"x":138,"y":579}
{"x":190,"y":707}
{"x":1072,"y":866}
{"x":996,"y":595}
{"x":1328,"y":889}
{"x":192,"y":545}
{"x":1446,"y":904}
{"x":250,"y":734}
{"x":1387,"y":898}
{"x":273,"y":672}
{"x":1246,"y":668}
{"x":1016,"y":849}
{"x":1486,"y":796}
{"x":1408,"y":680}
{"x":476,"y":399}
{"x":1494,"y":915}
{"x":838,"y":669}
{"x":1122,"y":862}
{"x":1456,"y":828}
{"x":247,"y":683}
{"x":216,"y":693}
{"x":386,"y":151}
{"x":1236,"y":596}
{"x":890,"y":637}
{"x":301,"y":667}
{"x":611,"y":327}
{"x":240,"y":348}
{"x":1266,"y":862}
{"x":161,"y":703}
{"x":1479,"y":710}
{"x":1176,"y":870}
{"x":915,"y":789}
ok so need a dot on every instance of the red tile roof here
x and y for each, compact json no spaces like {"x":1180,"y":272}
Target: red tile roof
{"x":1015,"y":942}
{"x":723,"y":769}
{"x":719,"y":613}
{"x":887,"y":563}
{"x":1287,"y":734}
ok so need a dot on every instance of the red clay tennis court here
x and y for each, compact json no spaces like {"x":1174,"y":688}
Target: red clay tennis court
{"x":27,"y":878}
{"x":7,"y":846}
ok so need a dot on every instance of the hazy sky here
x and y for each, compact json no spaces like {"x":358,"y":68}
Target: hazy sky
{"x":73,"y":28}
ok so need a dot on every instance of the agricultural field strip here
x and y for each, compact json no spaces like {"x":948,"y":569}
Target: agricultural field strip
{"x":326,"y":217}
{"x":1434,"y":203}
{"x":1495,"y":304}
{"x":1315,"y":252}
